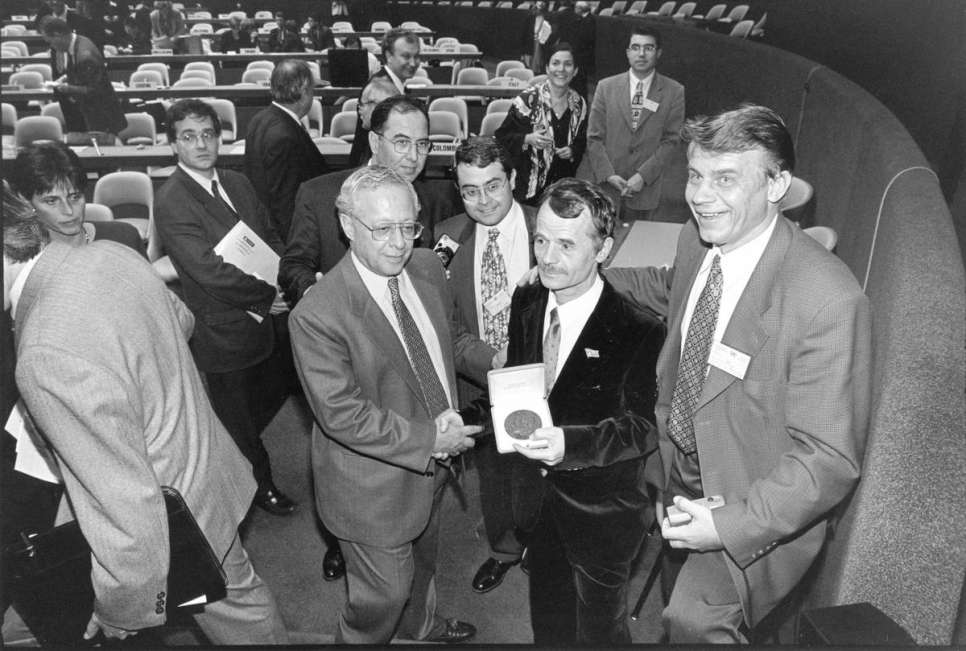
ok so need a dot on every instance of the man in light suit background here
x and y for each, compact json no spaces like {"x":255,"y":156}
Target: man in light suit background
{"x":634,"y":126}
{"x":493,"y":253}
{"x":764,"y":382}
{"x":279,"y":153}
{"x":110,"y":380}
{"x":588,"y":494}
{"x":235,"y":342}
{"x":374,"y":348}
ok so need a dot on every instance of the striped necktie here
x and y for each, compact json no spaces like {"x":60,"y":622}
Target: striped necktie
{"x":493,"y":281}
{"x":551,"y":350}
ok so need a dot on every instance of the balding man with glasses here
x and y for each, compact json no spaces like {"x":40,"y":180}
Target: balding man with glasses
{"x":377,"y":353}
{"x":399,"y":138}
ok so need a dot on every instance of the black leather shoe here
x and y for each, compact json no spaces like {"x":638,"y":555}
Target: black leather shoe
{"x":453,"y":631}
{"x":274,"y":501}
{"x":333,"y":565}
{"x":491,"y":574}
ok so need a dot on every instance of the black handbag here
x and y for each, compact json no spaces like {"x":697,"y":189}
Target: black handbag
{"x":49,"y":574}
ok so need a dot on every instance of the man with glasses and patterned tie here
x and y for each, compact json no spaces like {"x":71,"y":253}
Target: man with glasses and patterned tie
{"x":586,"y":495}
{"x":374,"y":347}
{"x":492,"y":252}
{"x":764,"y":384}
{"x":235,"y":341}
{"x":633,"y":129}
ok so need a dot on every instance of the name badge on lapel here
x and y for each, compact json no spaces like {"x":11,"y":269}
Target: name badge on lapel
{"x":731,"y":361}
{"x":650,"y":105}
{"x":591,"y":353}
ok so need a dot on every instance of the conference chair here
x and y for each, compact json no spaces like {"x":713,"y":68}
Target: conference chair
{"x":28,"y":80}
{"x":342,"y":26}
{"x":8,"y":52}
{"x":506,"y":4}
{"x":686,"y":10}
{"x":607,"y":12}
{"x":758,"y":30}
{"x":742,"y":29}
{"x":538,"y":79}
{"x":130,"y":196}
{"x":53,"y":110}
{"x":228,"y":117}
{"x":344,"y":125}
{"x":201,"y":14}
{"x":259,"y":76}
{"x":241,"y":15}
{"x":261,"y":64}
{"x":9,"y":118}
{"x":485,"y":4}
{"x":145,"y":79}
{"x":410,"y":24}
{"x":501,"y":105}
{"x":666,"y":9}
{"x":491,"y":122}
{"x":454,"y":105}
{"x":824,"y":235}
{"x":472,"y":77}
{"x":264,"y":15}
{"x":13,"y":30}
{"x":737,"y":14}
{"x":194,"y":82}
{"x":618,"y":7}
{"x":508,"y":64}
{"x":98,"y":212}
{"x":162,"y":68}
{"x":637,"y":7}
{"x":316,"y":72}
{"x":421,"y":72}
{"x":268,"y":27}
{"x":140,"y":130}
{"x":380,"y":26}
{"x":714,"y":13}
{"x":36,"y":128}
{"x":523,"y":74}
{"x":506,"y":82}
{"x":350,"y":104}
{"x":207,"y":66}
{"x":313,"y":120}
{"x":201,"y":28}
{"x":418,"y":82}
{"x":444,"y":126}
{"x":42,"y":68}
{"x":799,"y":193}
{"x":525,"y":6}
{"x":197,"y":74}
{"x":110,"y":50}
{"x":446,"y":40}
{"x":20,"y":46}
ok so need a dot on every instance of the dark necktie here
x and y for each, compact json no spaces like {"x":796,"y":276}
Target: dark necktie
{"x":551,"y":349}
{"x":433,"y":394}
{"x":493,"y":281}
{"x":221,"y":200}
{"x":694,"y":362}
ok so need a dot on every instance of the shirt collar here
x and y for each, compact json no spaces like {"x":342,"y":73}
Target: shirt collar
{"x":377,"y":284}
{"x":400,"y":86}
{"x":201,"y":180}
{"x":583,"y":305}
{"x":510,"y":222}
{"x":290,"y":112}
{"x":748,"y":254}
{"x":17,"y":288}
{"x":647,"y":80}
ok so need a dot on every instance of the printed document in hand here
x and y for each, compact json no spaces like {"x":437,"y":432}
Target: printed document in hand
{"x":242,"y":247}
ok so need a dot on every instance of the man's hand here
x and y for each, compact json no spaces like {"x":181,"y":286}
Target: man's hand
{"x":698,"y":535}
{"x":553,"y":453}
{"x":452,"y":436}
{"x":634,"y":184}
{"x":499,"y":360}
{"x":111,"y":632}
{"x":564,"y":153}
{"x":279,"y":305}
{"x":618,"y":182}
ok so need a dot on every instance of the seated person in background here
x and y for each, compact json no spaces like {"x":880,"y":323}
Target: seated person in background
{"x":237,"y":37}
{"x":50,"y":176}
{"x":166,"y":23}
{"x":378,"y":89}
{"x":353,"y":43}
{"x":135,"y":39}
{"x":286,"y":38}
{"x":319,"y":34}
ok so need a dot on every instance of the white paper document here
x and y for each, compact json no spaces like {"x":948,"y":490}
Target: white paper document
{"x":34,"y":458}
{"x":242,"y":247}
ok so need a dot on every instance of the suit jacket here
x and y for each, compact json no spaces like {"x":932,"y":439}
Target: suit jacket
{"x":373,"y":437}
{"x":614,"y":148}
{"x":191,"y":222}
{"x":109,"y":378}
{"x":279,"y":157}
{"x":316,"y":242}
{"x":784,"y":444}
{"x":603,"y":399}
{"x":462,"y":283}
{"x":89,"y":103}
{"x":231,"y":43}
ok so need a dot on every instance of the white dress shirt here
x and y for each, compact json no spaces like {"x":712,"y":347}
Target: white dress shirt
{"x":514,"y":244}
{"x":378,"y":287}
{"x":573,"y":317}
{"x":736,"y":269}
{"x":206,"y":183}
{"x":291,"y":113}
{"x":633,"y":84}
{"x":400,"y":86}
{"x":16,"y":289}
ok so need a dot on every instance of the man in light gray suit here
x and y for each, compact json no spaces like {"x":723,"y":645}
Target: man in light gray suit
{"x":105,"y":371}
{"x":635,"y":124}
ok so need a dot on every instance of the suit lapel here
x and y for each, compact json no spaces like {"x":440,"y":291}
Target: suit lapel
{"x":655,"y":93}
{"x":462,"y":267}
{"x":532,"y":325}
{"x":215,"y":208}
{"x":595,"y":330}
{"x":624,"y":98}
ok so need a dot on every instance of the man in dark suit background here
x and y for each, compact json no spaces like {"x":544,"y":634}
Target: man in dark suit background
{"x":279,"y":153}
{"x":493,"y":253}
{"x":587,"y":495}
{"x":82,"y":85}
{"x":235,"y":341}
{"x":378,"y":88}
{"x":286,"y":38}
{"x":237,"y":37}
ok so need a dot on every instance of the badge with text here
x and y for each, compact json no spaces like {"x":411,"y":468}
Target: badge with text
{"x":650,"y":105}
{"x":731,"y":361}
{"x":497,"y":303}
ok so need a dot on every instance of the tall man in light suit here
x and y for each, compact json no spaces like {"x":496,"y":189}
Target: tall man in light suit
{"x":374,"y":349}
{"x":104,"y":368}
{"x":587,"y":494}
{"x":633,"y":128}
{"x":764,"y":382}
{"x":493,"y":253}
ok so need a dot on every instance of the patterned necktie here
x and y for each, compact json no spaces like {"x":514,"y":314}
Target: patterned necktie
{"x":221,"y":199}
{"x":694,"y":362}
{"x":493,"y":281}
{"x":637,"y":104}
{"x":433,"y":394}
{"x":551,"y":349}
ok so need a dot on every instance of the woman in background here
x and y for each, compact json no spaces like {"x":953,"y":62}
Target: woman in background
{"x":166,"y":23}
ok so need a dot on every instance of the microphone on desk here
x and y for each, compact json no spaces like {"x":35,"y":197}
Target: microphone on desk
{"x":94,"y":142}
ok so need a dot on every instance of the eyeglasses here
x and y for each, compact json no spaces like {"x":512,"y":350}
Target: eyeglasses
{"x":382,"y":232}
{"x":650,"y":48}
{"x":404,"y":145}
{"x":491,"y":188}
{"x":191,"y":138}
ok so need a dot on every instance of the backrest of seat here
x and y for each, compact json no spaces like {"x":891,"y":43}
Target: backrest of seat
{"x":343,"y":124}
{"x":33,"y":128}
{"x":27,"y":80}
{"x":742,"y":29}
{"x":444,"y":126}
{"x":499,"y":105}
{"x":472,"y":77}
{"x":491,"y":122}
